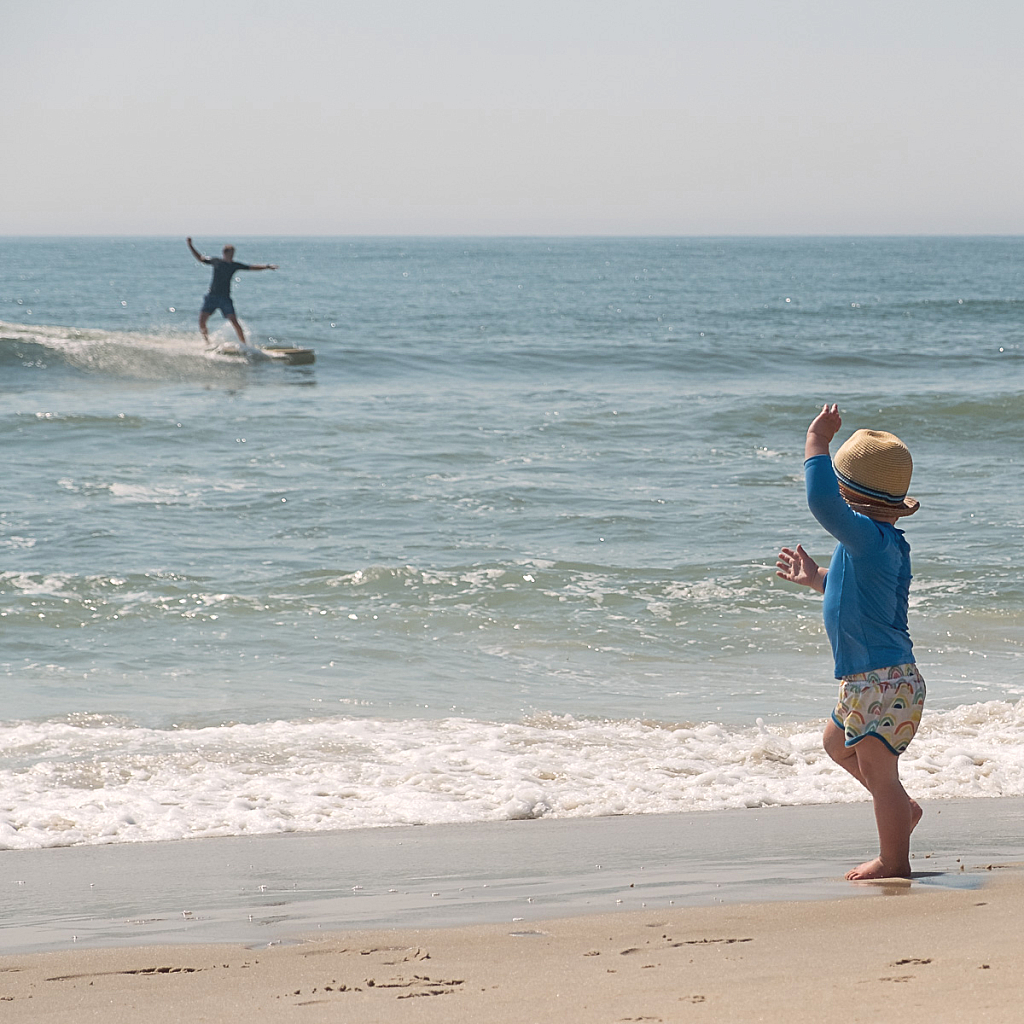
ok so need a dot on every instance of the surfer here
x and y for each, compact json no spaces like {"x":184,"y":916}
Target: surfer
{"x":219,"y":295}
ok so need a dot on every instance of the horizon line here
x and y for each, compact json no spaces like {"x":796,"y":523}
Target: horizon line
{"x":500,"y":235}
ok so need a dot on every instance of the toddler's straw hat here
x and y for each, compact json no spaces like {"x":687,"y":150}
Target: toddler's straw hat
{"x":874,"y":468}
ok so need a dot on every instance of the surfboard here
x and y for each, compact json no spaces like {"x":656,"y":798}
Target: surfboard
{"x":291,"y":356}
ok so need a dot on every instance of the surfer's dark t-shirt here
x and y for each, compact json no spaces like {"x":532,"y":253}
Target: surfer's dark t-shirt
{"x":223,"y":271}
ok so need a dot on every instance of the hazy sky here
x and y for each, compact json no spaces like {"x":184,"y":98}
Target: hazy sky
{"x":224,"y":117}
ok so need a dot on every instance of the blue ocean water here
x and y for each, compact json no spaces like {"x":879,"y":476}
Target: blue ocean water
{"x":506,"y":549}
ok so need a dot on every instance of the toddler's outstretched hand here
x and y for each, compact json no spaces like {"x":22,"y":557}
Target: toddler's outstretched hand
{"x":823,"y":428}
{"x":798,"y":567}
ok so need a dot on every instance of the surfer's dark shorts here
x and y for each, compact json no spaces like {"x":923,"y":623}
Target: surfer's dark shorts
{"x":221,"y":302}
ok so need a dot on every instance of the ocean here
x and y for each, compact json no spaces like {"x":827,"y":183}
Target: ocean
{"x":506,"y":550}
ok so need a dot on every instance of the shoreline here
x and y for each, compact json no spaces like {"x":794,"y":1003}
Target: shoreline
{"x":939,"y":954}
{"x":266,"y":890}
{"x":518,"y":922}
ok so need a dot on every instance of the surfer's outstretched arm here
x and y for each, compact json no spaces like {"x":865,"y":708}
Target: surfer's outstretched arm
{"x":195,"y":252}
{"x":262,"y":266}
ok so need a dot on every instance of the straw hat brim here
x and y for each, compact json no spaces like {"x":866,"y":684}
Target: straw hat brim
{"x":872,"y":508}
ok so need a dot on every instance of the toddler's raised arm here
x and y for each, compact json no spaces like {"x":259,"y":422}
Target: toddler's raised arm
{"x":823,"y":428}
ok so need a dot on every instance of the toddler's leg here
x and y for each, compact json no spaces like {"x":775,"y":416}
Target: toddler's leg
{"x":894,"y":811}
{"x":834,"y":742}
{"x":884,"y":785}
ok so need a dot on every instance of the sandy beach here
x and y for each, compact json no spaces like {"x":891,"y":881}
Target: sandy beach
{"x":917,"y":955}
{"x":733,"y":916}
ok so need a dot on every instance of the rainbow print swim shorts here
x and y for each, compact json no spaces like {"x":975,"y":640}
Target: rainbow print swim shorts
{"x":885,"y":702}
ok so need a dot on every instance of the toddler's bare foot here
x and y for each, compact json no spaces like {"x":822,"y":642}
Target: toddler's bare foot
{"x":875,"y":869}
{"x":869,"y":869}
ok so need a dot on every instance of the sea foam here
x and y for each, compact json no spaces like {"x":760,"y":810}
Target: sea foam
{"x":95,"y":781}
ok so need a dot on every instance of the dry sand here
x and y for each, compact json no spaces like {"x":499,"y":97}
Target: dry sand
{"x":915,"y":954}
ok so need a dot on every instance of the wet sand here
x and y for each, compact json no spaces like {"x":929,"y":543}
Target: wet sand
{"x":915,"y":956}
{"x":733,"y":916}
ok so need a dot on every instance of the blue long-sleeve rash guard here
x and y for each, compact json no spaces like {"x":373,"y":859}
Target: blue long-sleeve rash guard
{"x":868,"y":583}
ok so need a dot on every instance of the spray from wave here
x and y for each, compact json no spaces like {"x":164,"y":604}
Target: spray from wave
{"x":134,"y":355}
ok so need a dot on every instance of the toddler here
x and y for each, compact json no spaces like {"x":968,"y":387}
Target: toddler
{"x":858,"y":497}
